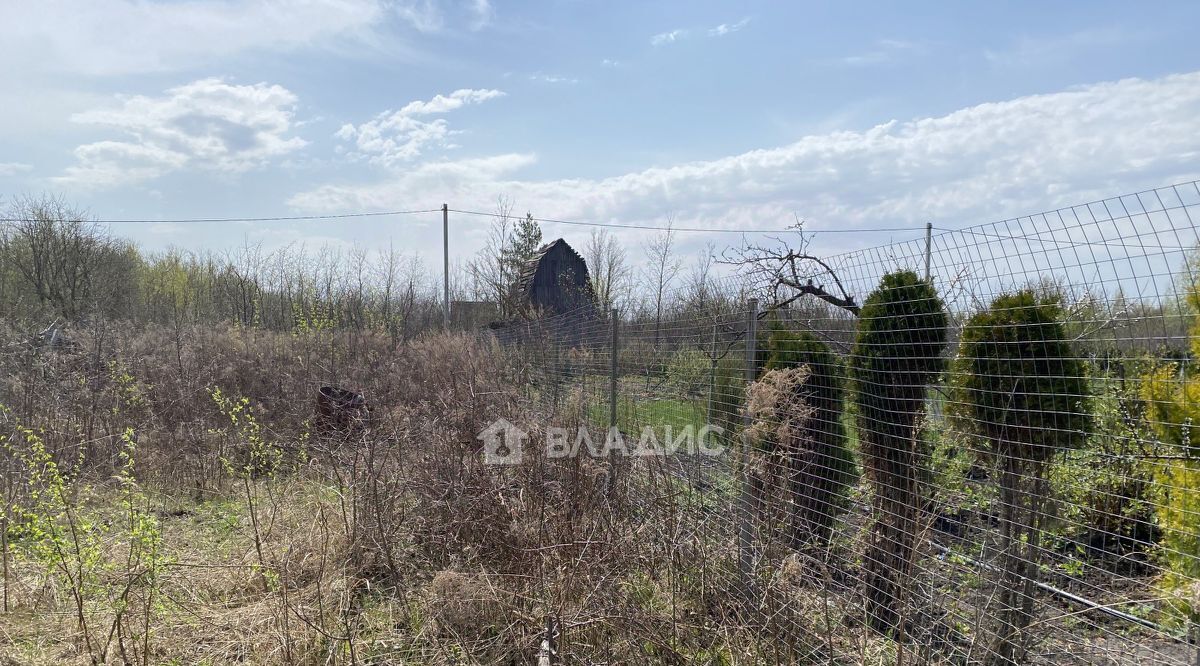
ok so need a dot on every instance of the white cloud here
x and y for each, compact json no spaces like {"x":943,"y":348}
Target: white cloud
{"x":483,"y":12}
{"x":14,"y":168}
{"x":393,"y":137}
{"x":672,"y":36}
{"x":668,"y":37}
{"x":609,"y":62}
{"x":726,"y":28}
{"x":421,"y":182}
{"x":975,"y":164}
{"x":552,"y":78}
{"x":132,"y":36}
{"x":207,"y":124}
{"x":424,"y":15}
{"x":432,"y":16}
{"x":446,"y":103}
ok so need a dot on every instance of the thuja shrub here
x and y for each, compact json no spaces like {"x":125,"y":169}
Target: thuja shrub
{"x":896,"y":354}
{"x":1020,"y":391}
{"x":728,"y":396}
{"x":821,"y":467}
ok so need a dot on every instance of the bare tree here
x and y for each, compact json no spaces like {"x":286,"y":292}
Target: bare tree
{"x":661,"y":270}
{"x":609,"y":269}
{"x":388,"y":275}
{"x":782,"y":272}
{"x":699,"y":290}
{"x":490,"y":271}
{"x":400,"y":289}
{"x":787,"y":272}
{"x":68,"y":262}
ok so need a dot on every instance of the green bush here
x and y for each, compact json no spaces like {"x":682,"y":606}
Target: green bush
{"x":821,"y":474}
{"x":729,"y":395}
{"x":1173,"y":409}
{"x":689,"y":372}
{"x":729,"y":385}
{"x":1020,"y":390}
{"x":1105,"y":489}
{"x":897,"y":352}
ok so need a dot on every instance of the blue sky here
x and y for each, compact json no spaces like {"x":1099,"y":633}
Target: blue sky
{"x":729,"y":115}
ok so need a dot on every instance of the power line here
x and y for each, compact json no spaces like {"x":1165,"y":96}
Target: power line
{"x":651,"y":227}
{"x":644,"y":227}
{"x":548,"y":220}
{"x":281,"y":218}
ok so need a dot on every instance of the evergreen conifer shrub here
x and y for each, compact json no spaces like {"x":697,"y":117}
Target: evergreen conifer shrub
{"x":896,"y":354}
{"x":1018,"y":389}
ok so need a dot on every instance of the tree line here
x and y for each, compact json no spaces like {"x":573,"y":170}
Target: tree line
{"x":57,"y":263}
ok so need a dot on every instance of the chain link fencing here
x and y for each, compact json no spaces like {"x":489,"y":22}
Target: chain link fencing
{"x":971,"y":448}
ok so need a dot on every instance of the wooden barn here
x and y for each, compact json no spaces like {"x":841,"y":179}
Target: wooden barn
{"x":555,"y":281}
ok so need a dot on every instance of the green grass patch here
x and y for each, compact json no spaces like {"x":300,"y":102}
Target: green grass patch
{"x":635,"y":414}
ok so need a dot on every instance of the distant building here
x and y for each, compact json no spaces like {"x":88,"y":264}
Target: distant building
{"x":555,"y":281}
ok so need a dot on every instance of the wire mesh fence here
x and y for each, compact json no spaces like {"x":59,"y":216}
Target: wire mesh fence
{"x":969,"y":448}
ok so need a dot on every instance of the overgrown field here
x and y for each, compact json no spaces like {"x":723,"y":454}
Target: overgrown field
{"x":172,"y":496}
{"x":173,"y":500}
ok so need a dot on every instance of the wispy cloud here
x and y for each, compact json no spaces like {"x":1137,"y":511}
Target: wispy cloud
{"x":552,"y":78}
{"x":14,"y":168}
{"x":609,"y":62}
{"x":884,"y":51}
{"x":207,"y":124}
{"x":679,"y":34}
{"x":483,"y":13}
{"x":423,"y":15}
{"x":65,"y":36}
{"x":1028,"y":51}
{"x":668,"y":37}
{"x":394,"y":137}
{"x":726,"y":28}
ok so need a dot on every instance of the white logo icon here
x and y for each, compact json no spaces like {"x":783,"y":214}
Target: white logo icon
{"x":502,"y":443}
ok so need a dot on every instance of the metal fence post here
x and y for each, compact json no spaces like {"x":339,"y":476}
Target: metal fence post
{"x":612,"y":374}
{"x":548,"y":654}
{"x":746,"y":501}
{"x":712,"y":375}
{"x":1196,"y":641}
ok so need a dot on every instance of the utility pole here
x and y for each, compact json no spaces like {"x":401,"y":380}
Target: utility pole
{"x":446,"y":266}
{"x":928,"y":247}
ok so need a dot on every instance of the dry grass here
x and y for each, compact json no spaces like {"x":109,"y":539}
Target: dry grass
{"x":395,"y":543}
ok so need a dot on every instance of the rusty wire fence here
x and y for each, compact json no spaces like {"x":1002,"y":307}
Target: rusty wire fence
{"x":970,"y":448}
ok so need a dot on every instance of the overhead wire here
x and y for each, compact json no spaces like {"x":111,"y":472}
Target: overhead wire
{"x":973,"y":229}
{"x":277,"y":218}
{"x":652,"y":227}
{"x":546,"y":220}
